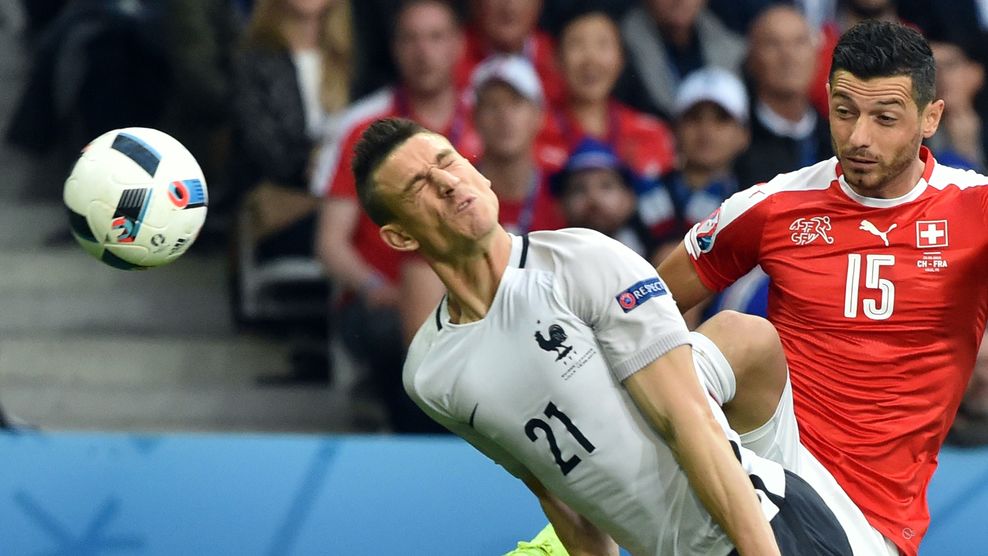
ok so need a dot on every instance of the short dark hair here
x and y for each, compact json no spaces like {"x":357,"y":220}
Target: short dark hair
{"x":375,"y":144}
{"x":885,"y":49}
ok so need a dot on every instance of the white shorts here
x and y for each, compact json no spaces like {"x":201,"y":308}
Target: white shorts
{"x":778,"y":440}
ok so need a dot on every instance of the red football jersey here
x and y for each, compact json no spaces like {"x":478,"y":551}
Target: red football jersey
{"x":386,"y":103}
{"x":880,"y":305}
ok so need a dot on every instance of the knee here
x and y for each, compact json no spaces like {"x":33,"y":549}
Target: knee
{"x":751,"y":345}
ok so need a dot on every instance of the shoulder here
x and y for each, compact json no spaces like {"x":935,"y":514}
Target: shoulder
{"x":569,"y":243}
{"x":945,"y":176}
{"x":641,"y":122}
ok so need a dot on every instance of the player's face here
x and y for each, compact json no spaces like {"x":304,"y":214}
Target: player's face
{"x":506,"y":121}
{"x":876,"y":129}
{"x":441,"y":202}
{"x":426,"y":47}
{"x":710,"y":138}
{"x":598,"y":199}
{"x":590,"y":58}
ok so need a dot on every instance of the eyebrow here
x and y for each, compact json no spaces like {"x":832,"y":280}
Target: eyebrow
{"x":882,"y":102}
{"x":440,"y":157}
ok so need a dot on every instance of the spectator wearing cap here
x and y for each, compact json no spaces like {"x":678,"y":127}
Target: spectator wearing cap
{"x":712,"y":131}
{"x":668,"y":39}
{"x":510,"y":27}
{"x":786,"y":132}
{"x":960,"y":139}
{"x":508,"y":115}
{"x":597,"y":190}
{"x":591,"y":60}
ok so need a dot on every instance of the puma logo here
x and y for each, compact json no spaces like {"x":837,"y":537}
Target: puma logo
{"x":872,"y":229}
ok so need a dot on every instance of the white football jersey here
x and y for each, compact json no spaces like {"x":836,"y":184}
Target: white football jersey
{"x":536,"y":386}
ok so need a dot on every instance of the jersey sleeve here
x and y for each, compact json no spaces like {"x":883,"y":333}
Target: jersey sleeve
{"x":618,"y":294}
{"x":726,"y":245}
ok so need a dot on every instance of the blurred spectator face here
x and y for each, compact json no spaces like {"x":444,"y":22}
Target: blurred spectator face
{"x":958,"y":77}
{"x":709,"y":137}
{"x":506,"y":121}
{"x":507,"y":23}
{"x":590,"y":57}
{"x":676,"y":15}
{"x":598,"y":199}
{"x":781,"y":57}
{"x":869,"y":8}
{"x":427,"y":45}
{"x":307,"y":8}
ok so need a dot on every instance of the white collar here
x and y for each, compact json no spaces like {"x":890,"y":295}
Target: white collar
{"x":783,"y":127}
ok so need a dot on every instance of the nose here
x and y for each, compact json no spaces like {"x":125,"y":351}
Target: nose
{"x":861,"y":133}
{"x":445,"y":182}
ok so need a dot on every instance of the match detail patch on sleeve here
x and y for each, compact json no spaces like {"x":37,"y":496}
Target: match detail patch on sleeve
{"x":639,"y":293}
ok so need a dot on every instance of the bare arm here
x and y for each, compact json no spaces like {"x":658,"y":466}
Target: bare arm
{"x":337,"y":222}
{"x":579,"y":536}
{"x":680,"y":276}
{"x":669,"y":394}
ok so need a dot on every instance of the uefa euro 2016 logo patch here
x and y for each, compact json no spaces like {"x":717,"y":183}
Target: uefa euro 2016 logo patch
{"x":639,"y":293}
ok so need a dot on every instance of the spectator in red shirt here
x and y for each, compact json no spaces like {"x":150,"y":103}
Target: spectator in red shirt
{"x":591,"y":61}
{"x":508,"y":116}
{"x":509,"y":27}
{"x":375,"y":312}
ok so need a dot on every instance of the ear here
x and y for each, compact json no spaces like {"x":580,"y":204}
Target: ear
{"x":931,"y":118}
{"x":397,"y":238}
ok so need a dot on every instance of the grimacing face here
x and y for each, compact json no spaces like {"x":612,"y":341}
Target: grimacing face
{"x":876,"y":129}
{"x":441,"y":203}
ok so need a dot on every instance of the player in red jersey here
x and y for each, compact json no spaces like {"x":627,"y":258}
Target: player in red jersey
{"x":879,"y":263}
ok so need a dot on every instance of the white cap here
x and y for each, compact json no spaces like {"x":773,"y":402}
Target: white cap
{"x":513,"y":70}
{"x":715,"y":85}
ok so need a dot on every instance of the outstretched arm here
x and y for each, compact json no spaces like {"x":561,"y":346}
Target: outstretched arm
{"x":677,"y":271}
{"x":578,"y":535}
{"x":668,"y":393}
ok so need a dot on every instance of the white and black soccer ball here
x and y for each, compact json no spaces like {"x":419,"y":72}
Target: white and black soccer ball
{"x":136,"y":198}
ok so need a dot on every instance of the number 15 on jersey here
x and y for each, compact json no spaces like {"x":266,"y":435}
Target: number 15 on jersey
{"x":878,"y":298}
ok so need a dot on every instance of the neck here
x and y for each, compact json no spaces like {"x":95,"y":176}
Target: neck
{"x":434,"y":110}
{"x":510,"y":176}
{"x":592,"y":115}
{"x":472,"y":280}
{"x":302,"y":32}
{"x":790,"y":106}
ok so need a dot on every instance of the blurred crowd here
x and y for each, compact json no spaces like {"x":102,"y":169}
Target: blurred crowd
{"x":636,"y":118}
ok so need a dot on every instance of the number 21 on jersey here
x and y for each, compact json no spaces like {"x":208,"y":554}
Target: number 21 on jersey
{"x":878,"y":303}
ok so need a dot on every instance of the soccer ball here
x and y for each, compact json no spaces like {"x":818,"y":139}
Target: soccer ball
{"x":136,"y":198}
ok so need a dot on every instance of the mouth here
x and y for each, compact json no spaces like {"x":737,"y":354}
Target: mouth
{"x":465,"y":204}
{"x":862,"y":162}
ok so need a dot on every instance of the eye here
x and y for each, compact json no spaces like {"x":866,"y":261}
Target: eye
{"x":886,"y":119}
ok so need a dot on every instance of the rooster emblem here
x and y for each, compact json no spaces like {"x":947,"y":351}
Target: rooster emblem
{"x":555,"y":342}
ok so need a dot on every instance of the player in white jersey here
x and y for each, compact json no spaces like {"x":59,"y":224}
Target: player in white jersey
{"x":590,"y":398}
